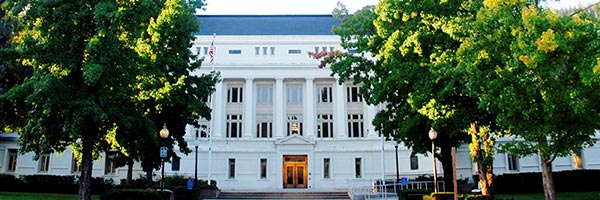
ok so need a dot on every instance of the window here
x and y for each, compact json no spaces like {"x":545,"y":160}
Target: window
{"x":75,"y":166}
{"x":358,"y":167}
{"x":198,"y":50}
{"x":414,"y":162}
{"x":294,"y":124}
{"x":12,"y":160}
{"x":235,"y":94}
{"x":272,"y":51}
{"x":257,"y":51}
{"x":294,"y":94}
{"x":235,"y":51}
{"x":331,"y":49}
{"x":316,"y":49}
{"x":264,"y":94}
{"x":355,"y":125}
{"x":294,"y":51}
{"x":109,"y":166}
{"x":44,"y":163}
{"x":263,"y":168}
{"x":234,"y":126}
{"x":264,"y":50}
{"x":264,"y":126}
{"x":325,"y":126}
{"x":513,"y":162}
{"x":352,"y":51}
{"x":175,"y":163}
{"x":326,"y":168}
{"x":324,"y":49}
{"x":205,"y":51}
{"x":577,"y":159}
{"x":324,"y":94}
{"x":231,"y":166}
{"x":204,"y":130}
{"x":353,"y":95}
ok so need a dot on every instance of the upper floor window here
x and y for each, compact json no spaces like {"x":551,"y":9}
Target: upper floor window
{"x":353,"y":96}
{"x":234,"y":126}
{"x":294,"y":123}
{"x":235,"y":51}
{"x":109,"y":165}
{"x":235,"y":94}
{"x":324,"y":94}
{"x":294,"y":51}
{"x":272,"y":51}
{"x":355,"y":125}
{"x":44,"y":163}
{"x":264,"y":126}
{"x":294,"y":94}
{"x":264,"y":94}
{"x":325,"y":126}
{"x":205,"y":51}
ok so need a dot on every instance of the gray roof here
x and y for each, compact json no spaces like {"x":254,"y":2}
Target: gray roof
{"x":266,"y":24}
{"x":8,"y":136}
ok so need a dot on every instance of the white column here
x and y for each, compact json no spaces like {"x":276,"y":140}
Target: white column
{"x":340,"y":117}
{"x":369,"y":115}
{"x":309,"y":109}
{"x":218,"y":110}
{"x":248,"y":116}
{"x":279,"y":115}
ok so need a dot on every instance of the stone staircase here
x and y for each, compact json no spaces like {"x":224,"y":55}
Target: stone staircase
{"x":284,"y":195}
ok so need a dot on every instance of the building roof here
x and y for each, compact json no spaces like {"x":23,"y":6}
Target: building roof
{"x":8,"y":136}
{"x":266,"y":24}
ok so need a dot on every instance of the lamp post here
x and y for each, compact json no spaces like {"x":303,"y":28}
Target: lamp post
{"x":397,"y":171}
{"x":433,"y":136}
{"x":196,"y":144}
{"x":164,"y":134}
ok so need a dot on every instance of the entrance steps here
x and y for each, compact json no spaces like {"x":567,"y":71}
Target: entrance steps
{"x":283,"y":195}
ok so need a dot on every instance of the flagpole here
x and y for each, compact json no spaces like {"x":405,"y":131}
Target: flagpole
{"x":212,"y":56}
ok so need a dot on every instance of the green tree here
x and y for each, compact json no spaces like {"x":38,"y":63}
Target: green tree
{"x":92,"y":76}
{"x":540,"y":73}
{"x":413,"y":44}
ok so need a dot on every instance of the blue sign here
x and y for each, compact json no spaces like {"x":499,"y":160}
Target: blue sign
{"x":163,"y":152}
{"x":190,"y":184}
{"x":404,"y":181}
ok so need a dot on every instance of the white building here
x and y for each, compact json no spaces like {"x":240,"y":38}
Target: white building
{"x":279,"y":121}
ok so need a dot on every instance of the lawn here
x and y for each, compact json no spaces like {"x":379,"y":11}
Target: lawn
{"x":39,"y":196}
{"x":559,"y":196}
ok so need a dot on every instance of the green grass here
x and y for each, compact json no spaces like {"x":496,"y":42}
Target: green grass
{"x":39,"y":196}
{"x":559,"y":196}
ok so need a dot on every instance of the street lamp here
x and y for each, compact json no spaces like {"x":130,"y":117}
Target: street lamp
{"x":433,"y":136}
{"x":397,"y":172}
{"x":164,"y":134}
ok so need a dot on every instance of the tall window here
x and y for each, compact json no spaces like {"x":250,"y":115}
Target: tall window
{"x":513,"y":162}
{"x":175,"y":163}
{"x":353,"y":96}
{"x":44,"y":163}
{"x":235,"y":94}
{"x":294,"y":94}
{"x":257,"y":51}
{"x":75,"y":166}
{"x":205,"y":51}
{"x":325,"y":126}
{"x":324,"y":94}
{"x":355,"y":125}
{"x":264,"y":50}
{"x":12,"y":160}
{"x":109,"y":165}
{"x":414,"y":162}
{"x":326,"y":168}
{"x":294,"y":124}
{"x":358,"y":167}
{"x":264,"y":94}
{"x":272,"y":51}
{"x":231,"y":170}
{"x":264,"y":126}
{"x":263,"y":168}
{"x":234,"y":126}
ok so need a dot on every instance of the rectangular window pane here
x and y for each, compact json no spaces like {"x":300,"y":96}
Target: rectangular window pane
{"x":264,"y":50}
{"x":294,"y":51}
{"x":235,"y":51}
{"x":263,"y":168}
{"x":231,"y":171}
{"x":272,"y":51}
{"x":44,"y":163}
{"x":12,"y":160}
{"x":414,"y":162}
{"x":357,"y":167}
{"x":326,"y":168}
{"x":355,"y":125}
{"x":257,"y":51}
{"x":75,"y":166}
{"x":175,"y":163}
{"x":234,"y":126}
{"x":109,"y":166}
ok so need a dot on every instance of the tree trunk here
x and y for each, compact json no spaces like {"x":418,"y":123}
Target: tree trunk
{"x":85,"y":180}
{"x":129,"y":172}
{"x":548,"y":181}
{"x":149,"y":178}
{"x":446,"y":159}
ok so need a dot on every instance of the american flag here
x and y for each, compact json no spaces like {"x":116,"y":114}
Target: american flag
{"x":211,"y":52}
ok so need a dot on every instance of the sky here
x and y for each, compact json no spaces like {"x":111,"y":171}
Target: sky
{"x":292,"y":7}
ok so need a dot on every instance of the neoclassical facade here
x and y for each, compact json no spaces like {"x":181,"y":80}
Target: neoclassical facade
{"x":279,"y":121}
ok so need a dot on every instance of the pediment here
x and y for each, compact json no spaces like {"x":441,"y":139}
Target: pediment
{"x":295,"y":139}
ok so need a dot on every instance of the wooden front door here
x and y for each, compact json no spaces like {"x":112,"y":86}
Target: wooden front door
{"x":294,"y":171}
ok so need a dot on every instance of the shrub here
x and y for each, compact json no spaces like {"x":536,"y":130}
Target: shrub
{"x":50,"y":183}
{"x":130,"y":194}
{"x":9,"y":182}
{"x":442,"y":196}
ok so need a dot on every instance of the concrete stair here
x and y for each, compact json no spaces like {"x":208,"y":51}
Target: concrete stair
{"x":285,"y":195}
